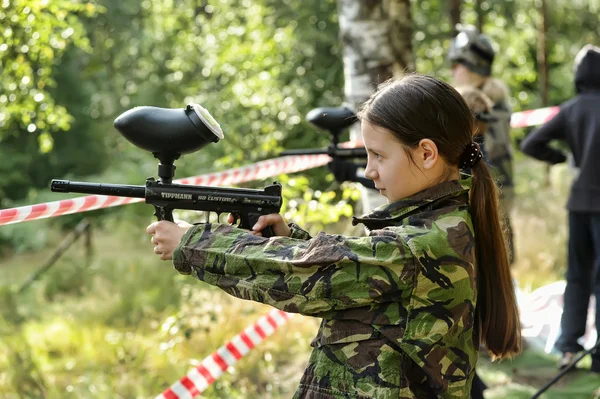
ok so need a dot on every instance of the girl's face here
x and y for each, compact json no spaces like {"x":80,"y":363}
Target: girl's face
{"x":395,"y":175}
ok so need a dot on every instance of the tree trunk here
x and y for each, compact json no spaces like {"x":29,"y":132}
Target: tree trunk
{"x":454,"y":9}
{"x":542,"y":51}
{"x":377,"y":44}
{"x":542,"y":55}
{"x":480,"y":15}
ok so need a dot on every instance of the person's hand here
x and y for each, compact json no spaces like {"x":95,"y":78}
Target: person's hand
{"x":166,"y":236}
{"x":275,"y":220}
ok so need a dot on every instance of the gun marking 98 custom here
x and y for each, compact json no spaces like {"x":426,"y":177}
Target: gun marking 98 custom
{"x":169,"y":133}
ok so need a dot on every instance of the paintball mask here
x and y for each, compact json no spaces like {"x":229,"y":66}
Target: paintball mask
{"x":473,"y":50}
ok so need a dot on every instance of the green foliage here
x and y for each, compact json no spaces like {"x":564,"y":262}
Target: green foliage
{"x":127,"y":325}
{"x":33,"y":116}
{"x":38,"y":34}
{"x":329,"y":210}
{"x":69,"y":279}
{"x":513,"y":26}
{"x":22,"y":237}
{"x":258,"y":79}
{"x":258,"y":67}
{"x":138,"y":327}
{"x":521,"y":377}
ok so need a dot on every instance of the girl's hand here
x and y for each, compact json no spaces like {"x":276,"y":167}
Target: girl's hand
{"x":275,"y":220}
{"x":166,"y":236}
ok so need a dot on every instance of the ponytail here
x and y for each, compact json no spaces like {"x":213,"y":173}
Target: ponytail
{"x":497,"y":314}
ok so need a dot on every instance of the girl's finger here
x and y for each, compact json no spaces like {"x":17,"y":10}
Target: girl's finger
{"x":261,"y":223}
{"x":151,"y":229}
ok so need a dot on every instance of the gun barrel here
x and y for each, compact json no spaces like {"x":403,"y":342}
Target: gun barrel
{"x":359,"y":152}
{"x":310,"y":151}
{"x":119,"y":190}
{"x":339,"y":152}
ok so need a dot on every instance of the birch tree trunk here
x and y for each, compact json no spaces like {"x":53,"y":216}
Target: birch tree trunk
{"x":377,"y":44}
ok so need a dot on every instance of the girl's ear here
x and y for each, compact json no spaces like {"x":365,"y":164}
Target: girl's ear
{"x":428,"y":153}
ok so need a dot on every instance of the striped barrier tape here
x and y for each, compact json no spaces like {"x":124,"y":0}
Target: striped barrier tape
{"x":540,"y":310}
{"x":258,"y":171}
{"x":213,"y":366}
{"x":533,"y":117}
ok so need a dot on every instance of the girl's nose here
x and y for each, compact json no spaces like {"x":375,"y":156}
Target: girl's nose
{"x":370,"y":173}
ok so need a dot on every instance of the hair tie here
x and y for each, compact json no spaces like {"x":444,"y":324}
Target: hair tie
{"x":470,"y":156}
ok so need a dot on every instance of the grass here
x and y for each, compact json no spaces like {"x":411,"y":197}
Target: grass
{"x":127,"y":325}
{"x":523,"y":376}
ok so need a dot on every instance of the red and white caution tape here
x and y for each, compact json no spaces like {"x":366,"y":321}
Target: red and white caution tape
{"x":211,"y":368}
{"x":258,"y":171}
{"x":64,"y":207}
{"x":533,"y":117}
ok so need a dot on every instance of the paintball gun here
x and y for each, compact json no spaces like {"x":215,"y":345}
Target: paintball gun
{"x":169,"y":133}
{"x":347,"y":163}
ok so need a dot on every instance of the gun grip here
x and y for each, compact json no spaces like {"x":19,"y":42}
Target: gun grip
{"x":268,"y":232}
{"x":249,"y":220}
{"x":163,"y":213}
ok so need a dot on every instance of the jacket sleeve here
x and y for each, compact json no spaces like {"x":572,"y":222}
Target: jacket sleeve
{"x":536,"y":144}
{"x":298,"y":232}
{"x":315,"y":276}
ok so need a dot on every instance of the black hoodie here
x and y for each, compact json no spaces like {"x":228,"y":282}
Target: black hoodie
{"x":578,"y":124}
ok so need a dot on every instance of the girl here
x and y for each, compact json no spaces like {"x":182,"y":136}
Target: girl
{"x":404,"y":309}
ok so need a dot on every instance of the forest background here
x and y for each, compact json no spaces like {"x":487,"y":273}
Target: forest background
{"x":123,"y":324}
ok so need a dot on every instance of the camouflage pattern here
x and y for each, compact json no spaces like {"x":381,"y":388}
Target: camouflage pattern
{"x":397,"y":305}
{"x":498,"y":153}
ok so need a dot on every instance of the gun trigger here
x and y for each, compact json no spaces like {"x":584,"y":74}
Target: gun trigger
{"x":157,"y":212}
{"x":236,"y":219}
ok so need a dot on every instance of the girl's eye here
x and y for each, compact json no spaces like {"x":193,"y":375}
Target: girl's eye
{"x":376,"y":155}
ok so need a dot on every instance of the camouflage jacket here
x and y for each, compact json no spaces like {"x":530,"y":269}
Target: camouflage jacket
{"x":498,"y":145}
{"x":397,"y":305}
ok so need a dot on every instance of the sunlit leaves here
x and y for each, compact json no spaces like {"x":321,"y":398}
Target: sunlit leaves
{"x":253,"y":65}
{"x":38,"y":33}
{"x":513,"y":27}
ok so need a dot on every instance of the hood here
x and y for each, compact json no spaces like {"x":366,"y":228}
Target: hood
{"x":587,"y":69}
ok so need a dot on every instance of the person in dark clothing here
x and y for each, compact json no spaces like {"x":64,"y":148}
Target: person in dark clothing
{"x":578,"y":124}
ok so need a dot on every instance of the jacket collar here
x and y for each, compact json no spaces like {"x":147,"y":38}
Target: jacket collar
{"x":393,"y":213}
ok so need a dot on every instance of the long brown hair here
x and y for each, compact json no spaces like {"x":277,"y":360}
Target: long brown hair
{"x":416,"y":107}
